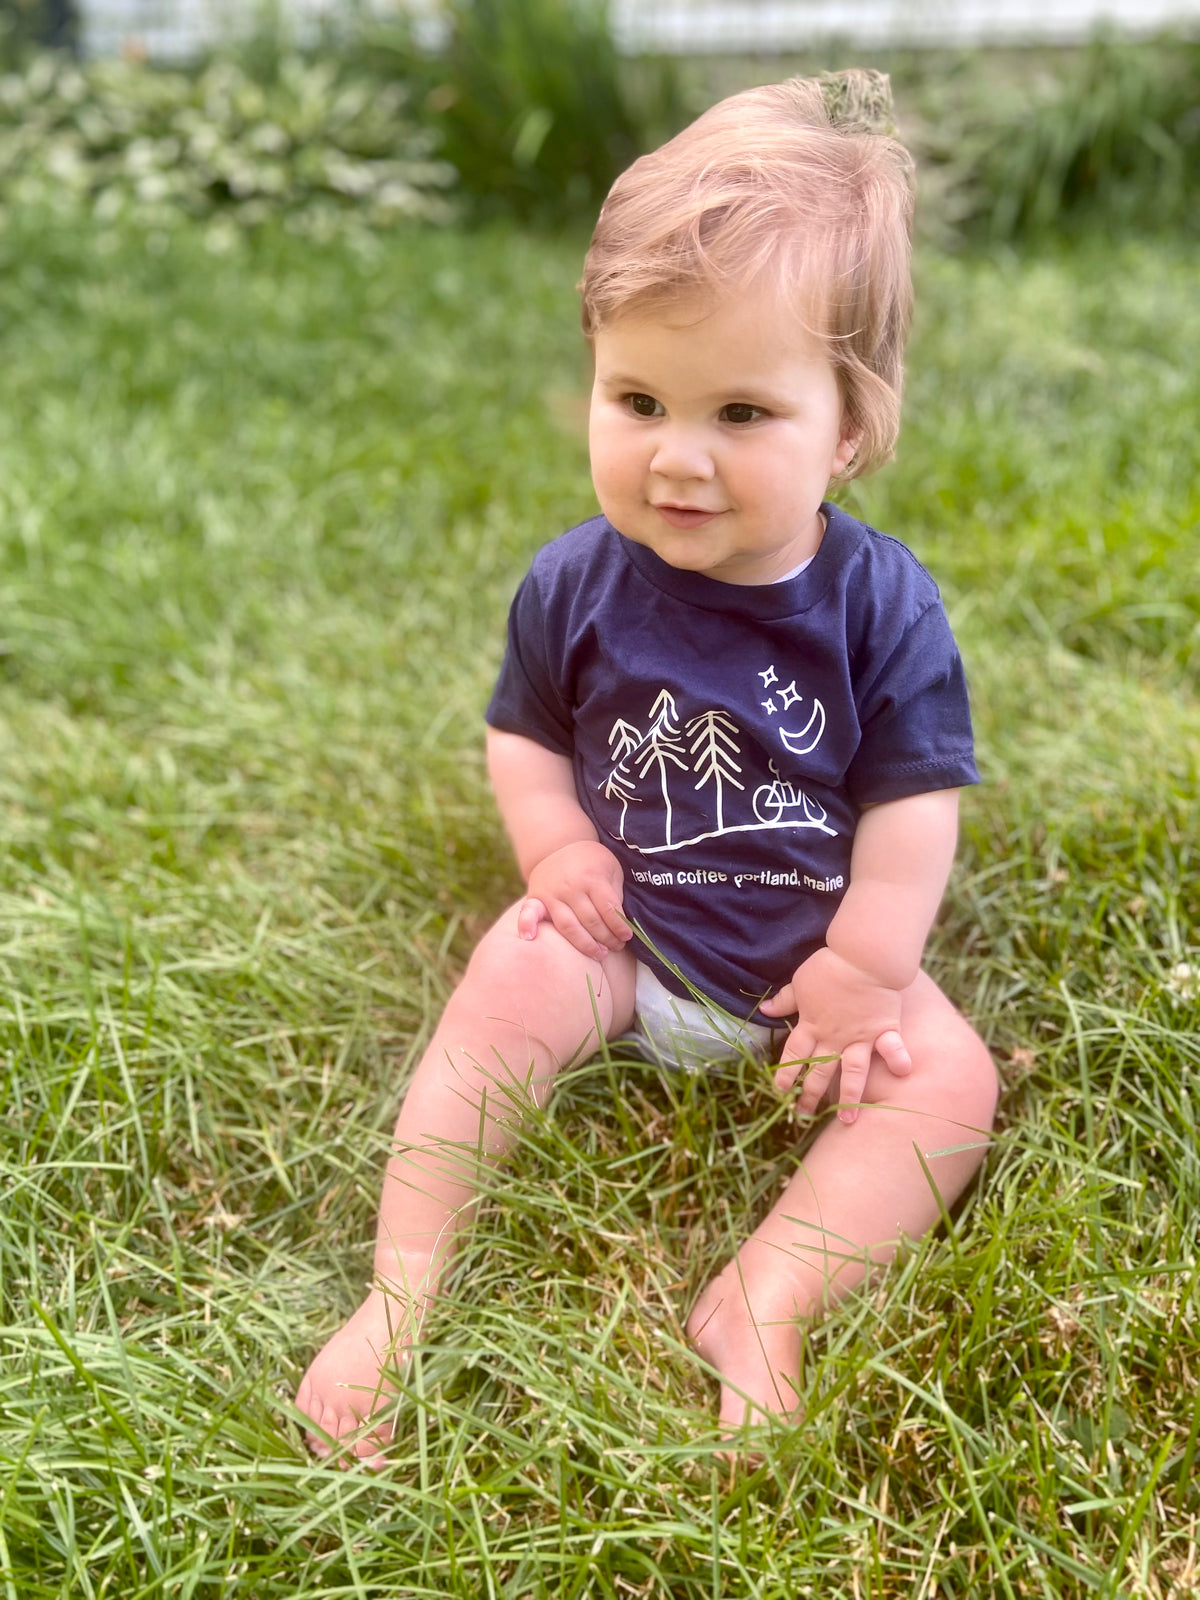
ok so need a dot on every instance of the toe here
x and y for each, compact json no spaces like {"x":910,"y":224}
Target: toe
{"x":310,"y":1406}
{"x":318,"y":1444}
{"x":333,"y":1424}
{"x":370,"y":1449}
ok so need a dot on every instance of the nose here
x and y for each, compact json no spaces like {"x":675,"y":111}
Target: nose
{"x":681,"y":453}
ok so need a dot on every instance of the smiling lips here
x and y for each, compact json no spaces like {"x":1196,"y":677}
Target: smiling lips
{"x":685,"y":516}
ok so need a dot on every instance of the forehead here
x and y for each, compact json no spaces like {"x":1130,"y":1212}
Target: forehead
{"x":754,"y":333}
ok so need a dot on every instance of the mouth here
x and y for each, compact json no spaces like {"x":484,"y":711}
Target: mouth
{"x":679,"y":516}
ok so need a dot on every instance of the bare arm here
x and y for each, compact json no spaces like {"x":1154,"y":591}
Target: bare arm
{"x":574,"y":881}
{"x":902,"y":855}
{"x":535,"y":791}
{"x":848,"y":994}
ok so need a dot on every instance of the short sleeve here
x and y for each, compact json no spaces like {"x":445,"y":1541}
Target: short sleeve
{"x":529,"y":697}
{"x":915,"y":718}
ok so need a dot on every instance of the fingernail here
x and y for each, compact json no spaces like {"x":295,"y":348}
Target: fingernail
{"x":847,"y":1116}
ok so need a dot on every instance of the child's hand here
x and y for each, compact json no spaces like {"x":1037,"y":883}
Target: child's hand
{"x":578,"y":888}
{"x":846,"y":1016}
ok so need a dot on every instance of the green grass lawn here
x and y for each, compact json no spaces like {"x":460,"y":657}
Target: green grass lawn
{"x":262,"y":512}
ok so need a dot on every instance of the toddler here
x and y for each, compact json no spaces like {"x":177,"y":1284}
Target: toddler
{"x":726,"y":743}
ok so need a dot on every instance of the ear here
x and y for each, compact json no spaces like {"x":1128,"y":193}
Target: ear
{"x":845,"y":453}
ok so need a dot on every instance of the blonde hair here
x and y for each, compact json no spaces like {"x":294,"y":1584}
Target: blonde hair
{"x":797,"y":183}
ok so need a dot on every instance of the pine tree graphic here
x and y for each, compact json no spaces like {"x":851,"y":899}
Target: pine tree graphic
{"x":618,"y":786}
{"x":663,"y":745}
{"x":713,"y":750}
{"x":623,"y":740}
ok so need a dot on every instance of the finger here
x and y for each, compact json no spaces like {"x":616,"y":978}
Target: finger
{"x":573,"y":931}
{"x":617,"y":924}
{"x":786,"y":1074}
{"x":895,"y":1054}
{"x":816,"y":1081}
{"x":592,"y":918}
{"x":795,"y":1057}
{"x":781,"y":1004}
{"x":856,"y":1064}
{"x":531,"y":913}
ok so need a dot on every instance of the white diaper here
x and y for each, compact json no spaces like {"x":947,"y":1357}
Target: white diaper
{"x":692,"y":1034}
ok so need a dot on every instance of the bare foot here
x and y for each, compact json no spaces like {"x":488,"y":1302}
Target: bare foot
{"x":348,"y":1382}
{"x":747,"y":1326}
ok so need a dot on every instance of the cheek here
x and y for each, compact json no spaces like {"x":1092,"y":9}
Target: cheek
{"x":768,"y":474}
{"x":601,"y":477}
{"x":606,"y":487}
{"x":597,"y":452}
{"x":780,"y":479}
{"x":612,"y":465}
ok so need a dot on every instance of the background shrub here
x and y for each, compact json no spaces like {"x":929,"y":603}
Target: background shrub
{"x":1108,"y":135}
{"x":26,"y":23}
{"x":535,"y":107}
{"x":310,"y":140}
{"x":526,"y":110}
{"x":530,"y":110}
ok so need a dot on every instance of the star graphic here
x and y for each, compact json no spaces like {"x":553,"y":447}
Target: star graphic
{"x":768,"y":677}
{"x":769,"y":706}
{"x":789,"y":696}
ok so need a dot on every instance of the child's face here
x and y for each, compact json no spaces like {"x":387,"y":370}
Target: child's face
{"x":714,"y":441}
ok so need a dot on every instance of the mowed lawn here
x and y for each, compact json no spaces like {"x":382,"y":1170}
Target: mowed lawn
{"x":262,"y":511}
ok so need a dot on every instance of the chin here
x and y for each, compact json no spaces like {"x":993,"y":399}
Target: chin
{"x":682,"y":561}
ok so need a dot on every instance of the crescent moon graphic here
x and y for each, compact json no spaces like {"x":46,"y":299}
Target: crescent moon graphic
{"x":814,"y":727}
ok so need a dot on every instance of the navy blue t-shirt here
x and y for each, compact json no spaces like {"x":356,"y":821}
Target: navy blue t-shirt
{"x":725,"y":737}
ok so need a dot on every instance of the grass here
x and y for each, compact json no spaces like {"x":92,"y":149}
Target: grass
{"x":262,"y":512}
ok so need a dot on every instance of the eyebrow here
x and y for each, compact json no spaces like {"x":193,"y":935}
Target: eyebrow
{"x":751,"y":394}
{"x":621,"y":380}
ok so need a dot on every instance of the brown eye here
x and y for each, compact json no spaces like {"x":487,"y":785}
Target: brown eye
{"x":740,"y":414}
{"x":642,"y":405}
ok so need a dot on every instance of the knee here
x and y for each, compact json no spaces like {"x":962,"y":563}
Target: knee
{"x":968,"y":1078}
{"x":953,"y":1070}
{"x":979,"y":1082}
{"x":505,"y":962}
{"x":521,"y":981}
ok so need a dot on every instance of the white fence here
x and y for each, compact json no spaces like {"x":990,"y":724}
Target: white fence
{"x":689,"y":26}
{"x":178,"y":28}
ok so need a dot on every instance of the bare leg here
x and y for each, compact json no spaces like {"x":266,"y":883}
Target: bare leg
{"x":860,"y":1190}
{"x":523,"y":1009}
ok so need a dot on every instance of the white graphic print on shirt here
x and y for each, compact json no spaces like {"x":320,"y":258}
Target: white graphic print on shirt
{"x":706,"y":747}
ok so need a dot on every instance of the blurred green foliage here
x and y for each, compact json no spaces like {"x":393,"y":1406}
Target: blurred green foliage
{"x":530,"y":111}
{"x":536,"y":108}
{"x":27,"y":24}
{"x":128,"y":140}
{"x":1109,"y":134}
